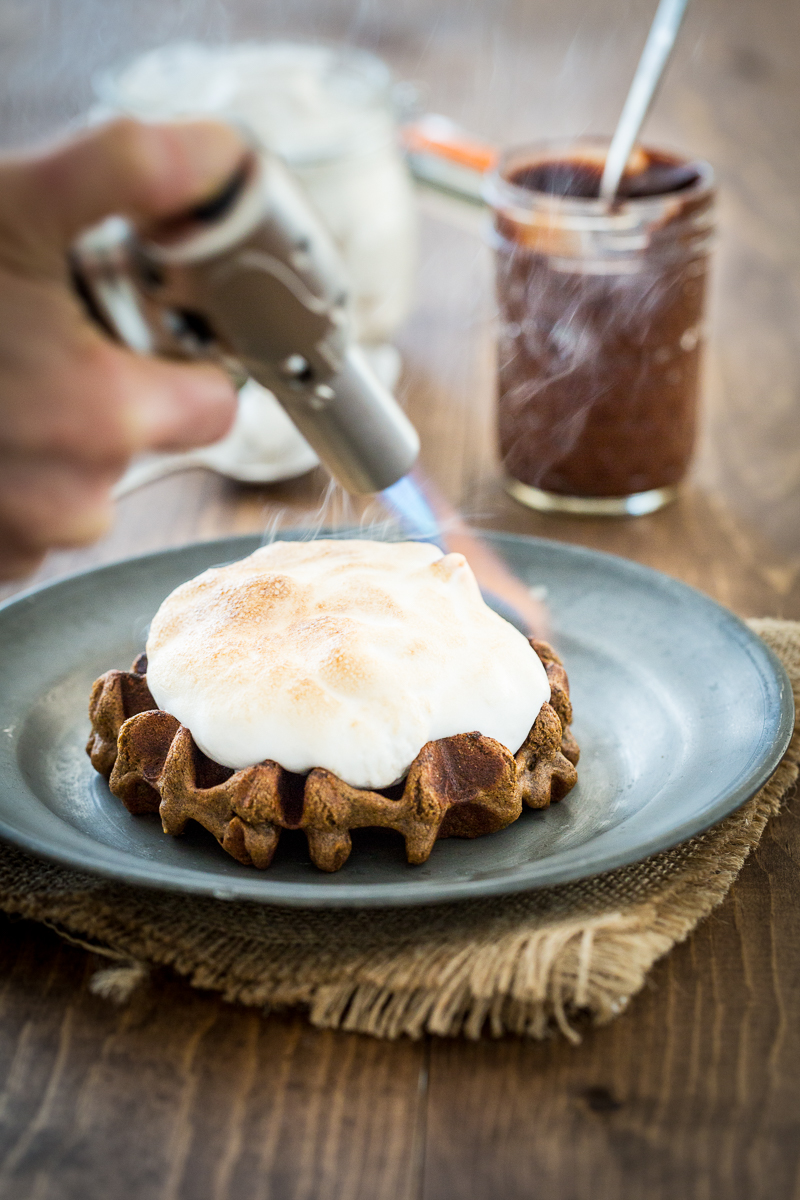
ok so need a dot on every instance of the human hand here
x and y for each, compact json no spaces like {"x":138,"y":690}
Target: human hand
{"x":74,"y":406}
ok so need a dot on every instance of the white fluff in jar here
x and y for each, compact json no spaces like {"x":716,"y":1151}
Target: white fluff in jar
{"x":328,"y":113}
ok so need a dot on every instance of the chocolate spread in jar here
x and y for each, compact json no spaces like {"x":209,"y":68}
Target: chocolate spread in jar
{"x":600,"y":331}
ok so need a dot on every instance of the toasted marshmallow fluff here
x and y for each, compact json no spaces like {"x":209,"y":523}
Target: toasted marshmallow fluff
{"x":349,"y":655}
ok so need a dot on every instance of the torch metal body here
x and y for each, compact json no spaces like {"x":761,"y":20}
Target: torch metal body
{"x":253,"y":281}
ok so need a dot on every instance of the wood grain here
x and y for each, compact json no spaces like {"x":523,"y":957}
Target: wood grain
{"x":183,"y":1097}
{"x":695,"y":1091}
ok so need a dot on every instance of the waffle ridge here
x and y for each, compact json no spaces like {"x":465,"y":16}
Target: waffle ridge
{"x":461,"y":786}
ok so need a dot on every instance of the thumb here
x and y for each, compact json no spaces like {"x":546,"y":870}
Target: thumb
{"x":124,"y":167}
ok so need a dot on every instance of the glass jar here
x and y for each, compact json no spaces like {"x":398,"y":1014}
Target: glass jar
{"x":328,"y":113}
{"x":601,"y":325}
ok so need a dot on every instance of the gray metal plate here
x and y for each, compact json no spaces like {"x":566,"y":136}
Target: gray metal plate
{"x":680,"y":711}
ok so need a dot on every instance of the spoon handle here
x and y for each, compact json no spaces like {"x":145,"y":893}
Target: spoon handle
{"x":655,"y":55}
{"x":148,"y":470}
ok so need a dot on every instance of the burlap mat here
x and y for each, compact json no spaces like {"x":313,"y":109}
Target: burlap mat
{"x":519,"y":964}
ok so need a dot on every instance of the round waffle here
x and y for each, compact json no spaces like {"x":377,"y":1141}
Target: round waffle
{"x":461,"y":786}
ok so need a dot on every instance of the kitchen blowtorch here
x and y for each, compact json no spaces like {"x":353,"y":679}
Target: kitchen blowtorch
{"x":252,"y":280}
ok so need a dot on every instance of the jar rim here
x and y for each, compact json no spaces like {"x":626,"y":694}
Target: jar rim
{"x":500,"y":192}
{"x":105,"y":80}
{"x":175,"y":64}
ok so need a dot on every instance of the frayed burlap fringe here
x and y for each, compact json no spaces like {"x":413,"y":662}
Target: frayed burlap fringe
{"x":522,"y":964}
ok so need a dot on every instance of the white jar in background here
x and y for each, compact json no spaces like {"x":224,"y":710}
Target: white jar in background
{"x":327,"y":112}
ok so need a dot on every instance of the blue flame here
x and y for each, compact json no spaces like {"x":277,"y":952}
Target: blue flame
{"x":406,"y":501}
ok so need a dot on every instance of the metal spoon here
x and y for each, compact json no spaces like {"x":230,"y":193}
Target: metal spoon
{"x":655,"y":56}
{"x":262,"y":447}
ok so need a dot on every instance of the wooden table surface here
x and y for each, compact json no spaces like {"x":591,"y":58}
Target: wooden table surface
{"x":695,"y":1091}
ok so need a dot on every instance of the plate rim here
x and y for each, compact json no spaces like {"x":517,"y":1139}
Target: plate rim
{"x":287,"y":894}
